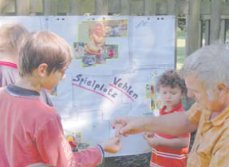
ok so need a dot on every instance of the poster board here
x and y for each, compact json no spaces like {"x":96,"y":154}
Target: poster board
{"x":102,"y":89}
{"x":115,"y":65}
{"x":32,"y":23}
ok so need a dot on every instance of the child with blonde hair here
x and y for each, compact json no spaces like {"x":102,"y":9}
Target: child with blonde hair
{"x":11,"y":36}
{"x":31,"y":130}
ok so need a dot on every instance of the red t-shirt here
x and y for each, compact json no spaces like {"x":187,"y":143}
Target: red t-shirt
{"x":8,"y":73}
{"x":166,"y":156}
{"x":31,"y":132}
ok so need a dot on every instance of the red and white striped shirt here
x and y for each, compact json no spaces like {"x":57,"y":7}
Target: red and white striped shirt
{"x":167,"y":156}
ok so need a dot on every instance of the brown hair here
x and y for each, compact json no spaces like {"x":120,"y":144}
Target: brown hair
{"x":11,"y":36}
{"x":43,"y":47}
{"x":171,"y":78}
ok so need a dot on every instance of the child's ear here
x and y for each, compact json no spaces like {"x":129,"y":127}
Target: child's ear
{"x":42,"y":69}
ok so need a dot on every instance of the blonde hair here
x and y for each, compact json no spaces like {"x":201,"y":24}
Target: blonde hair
{"x":11,"y":36}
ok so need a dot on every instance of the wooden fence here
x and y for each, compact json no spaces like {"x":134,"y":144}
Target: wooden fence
{"x":206,"y":20}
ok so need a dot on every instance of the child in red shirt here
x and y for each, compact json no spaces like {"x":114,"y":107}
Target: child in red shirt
{"x":11,"y":36}
{"x":167,"y":150}
{"x":31,"y":130}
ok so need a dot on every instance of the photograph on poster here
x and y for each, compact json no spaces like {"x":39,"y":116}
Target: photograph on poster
{"x":93,"y":47}
{"x":121,"y":85}
{"x":116,"y":61}
{"x":89,"y":58}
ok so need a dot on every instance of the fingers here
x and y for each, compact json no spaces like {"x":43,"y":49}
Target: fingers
{"x":118,"y":123}
{"x":113,"y":145}
{"x":123,"y":131}
{"x":116,"y":139}
{"x":145,"y":135}
{"x":117,"y":130}
{"x":118,"y":142}
{"x":126,"y":126}
{"x":149,"y":134}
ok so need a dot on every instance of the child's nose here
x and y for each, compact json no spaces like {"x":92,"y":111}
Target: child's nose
{"x":168,"y":96}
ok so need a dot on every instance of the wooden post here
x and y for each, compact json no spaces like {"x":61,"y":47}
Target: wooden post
{"x":222,"y":34}
{"x":36,"y":7}
{"x":23,"y":7}
{"x":193,"y":27}
{"x":137,"y":7}
{"x":74,"y":7}
{"x":215,"y":20}
{"x":207,"y":32}
{"x":171,"y":7}
{"x":114,"y":7}
{"x":50,"y":7}
{"x":7,"y":7}
{"x":150,"y":7}
{"x":125,"y":7}
{"x":87,"y":7}
{"x":63,"y":7}
{"x":101,"y":7}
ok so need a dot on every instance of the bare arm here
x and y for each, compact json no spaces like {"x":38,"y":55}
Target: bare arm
{"x":172,"y":124}
{"x":177,"y":143}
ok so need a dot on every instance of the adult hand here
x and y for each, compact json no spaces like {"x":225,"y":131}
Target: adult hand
{"x":129,"y":125}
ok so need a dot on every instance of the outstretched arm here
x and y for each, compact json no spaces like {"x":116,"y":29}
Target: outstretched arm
{"x":55,"y":150}
{"x":172,"y":124}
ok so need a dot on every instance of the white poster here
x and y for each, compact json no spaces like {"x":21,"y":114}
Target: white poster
{"x":153,"y":42}
{"x":32,"y":23}
{"x":116,"y":62}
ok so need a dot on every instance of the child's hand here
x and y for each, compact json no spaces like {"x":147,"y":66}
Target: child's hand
{"x":152,"y":140}
{"x":148,"y":135}
{"x":112,"y":145}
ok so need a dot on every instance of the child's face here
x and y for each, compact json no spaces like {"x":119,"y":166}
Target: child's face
{"x":170,"y":97}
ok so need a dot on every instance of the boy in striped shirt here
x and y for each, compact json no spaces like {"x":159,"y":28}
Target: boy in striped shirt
{"x":168,"y":150}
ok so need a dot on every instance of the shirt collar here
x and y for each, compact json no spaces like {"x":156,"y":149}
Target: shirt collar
{"x":18,"y":91}
{"x":176,"y":108}
{"x":220,"y":119}
{"x":8,"y":64}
